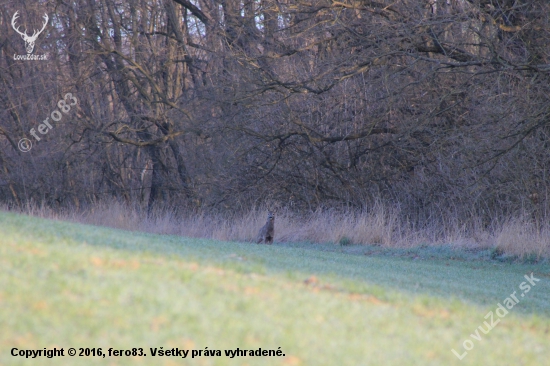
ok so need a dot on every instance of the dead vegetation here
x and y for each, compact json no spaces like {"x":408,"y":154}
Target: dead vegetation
{"x":439,"y":110}
{"x":381,"y":226}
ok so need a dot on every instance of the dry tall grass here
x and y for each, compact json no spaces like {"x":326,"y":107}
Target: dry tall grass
{"x":380,"y":226}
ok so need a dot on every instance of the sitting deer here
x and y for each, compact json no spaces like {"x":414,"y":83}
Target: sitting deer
{"x":267,"y":232}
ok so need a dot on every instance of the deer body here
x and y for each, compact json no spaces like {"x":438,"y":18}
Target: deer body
{"x":267,"y":232}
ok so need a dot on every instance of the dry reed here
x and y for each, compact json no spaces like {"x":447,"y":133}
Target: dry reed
{"x":380,"y":226}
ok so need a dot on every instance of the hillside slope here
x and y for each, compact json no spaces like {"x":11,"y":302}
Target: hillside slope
{"x":66,"y":285}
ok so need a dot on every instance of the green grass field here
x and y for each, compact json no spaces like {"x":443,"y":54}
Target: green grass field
{"x":66,"y":285}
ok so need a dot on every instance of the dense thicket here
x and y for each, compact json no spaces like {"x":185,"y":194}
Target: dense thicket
{"x":439,"y":106}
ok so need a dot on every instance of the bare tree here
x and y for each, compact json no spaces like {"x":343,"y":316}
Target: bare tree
{"x":441,"y":106}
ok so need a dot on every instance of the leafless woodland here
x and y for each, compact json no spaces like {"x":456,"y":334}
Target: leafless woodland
{"x":440,"y":108}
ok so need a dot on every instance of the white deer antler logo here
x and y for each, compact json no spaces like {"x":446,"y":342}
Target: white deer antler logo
{"x":29,"y":41}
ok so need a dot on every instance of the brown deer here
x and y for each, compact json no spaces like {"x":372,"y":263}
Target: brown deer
{"x":267,"y":232}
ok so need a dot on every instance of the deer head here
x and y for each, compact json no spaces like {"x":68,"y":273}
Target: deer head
{"x":29,"y":40}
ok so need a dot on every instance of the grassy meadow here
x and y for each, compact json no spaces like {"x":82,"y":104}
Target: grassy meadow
{"x":72,"y":285}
